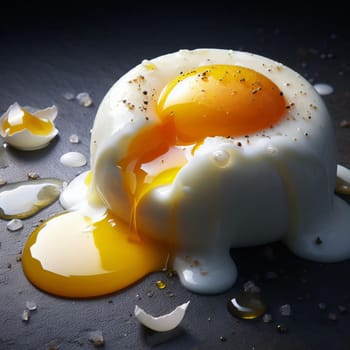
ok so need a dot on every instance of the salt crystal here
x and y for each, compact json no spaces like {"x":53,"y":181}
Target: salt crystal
{"x":96,"y":338}
{"x":286,"y":310}
{"x":25,"y":315}
{"x":324,"y":89}
{"x":84,"y":99}
{"x":74,"y":138}
{"x":32,"y":175}
{"x":31,"y":305}
{"x":282,"y":328}
{"x":73,"y":159}
{"x":2,"y":181}
{"x":69,"y":96}
{"x":14,"y":225}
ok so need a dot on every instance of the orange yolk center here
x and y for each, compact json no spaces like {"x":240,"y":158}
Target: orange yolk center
{"x":73,"y":255}
{"x":35,"y":125}
{"x":220,"y":100}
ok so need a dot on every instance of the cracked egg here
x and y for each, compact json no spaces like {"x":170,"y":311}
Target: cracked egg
{"x":194,"y":153}
{"x":26,"y":130}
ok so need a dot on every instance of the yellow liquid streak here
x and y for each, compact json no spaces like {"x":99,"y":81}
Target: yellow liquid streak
{"x":164,"y":178}
{"x":35,"y":125}
{"x":71,"y":256}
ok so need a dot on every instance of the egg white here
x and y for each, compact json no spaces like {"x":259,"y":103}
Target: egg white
{"x":277,"y":184}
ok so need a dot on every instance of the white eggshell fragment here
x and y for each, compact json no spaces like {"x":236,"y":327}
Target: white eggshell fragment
{"x":162,"y":323}
{"x":25,"y":139}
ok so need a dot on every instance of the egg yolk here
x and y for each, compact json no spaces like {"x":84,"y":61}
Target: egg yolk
{"x":35,"y":125}
{"x":220,"y":100}
{"x":72,"y":255}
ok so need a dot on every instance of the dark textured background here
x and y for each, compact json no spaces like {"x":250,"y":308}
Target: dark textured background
{"x":51,"y":48}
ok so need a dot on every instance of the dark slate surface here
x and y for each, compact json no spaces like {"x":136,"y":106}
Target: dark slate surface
{"x":46,"y":51}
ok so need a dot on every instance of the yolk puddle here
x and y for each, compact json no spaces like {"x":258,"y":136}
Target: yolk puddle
{"x":35,"y":125}
{"x":70,"y":255}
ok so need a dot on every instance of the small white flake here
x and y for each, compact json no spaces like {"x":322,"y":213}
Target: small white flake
{"x":324,"y":89}
{"x":285,"y":310}
{"x":96,"y":338}
{"x":84,"y":99}
{"x":2,"y":181}
{"x":69,"y":96}
{"x":74,"y":138}
{"x":31,"y":305}
{"x":25,"y":315}
{"x":14,"y":225}
{"x":32,"y":175}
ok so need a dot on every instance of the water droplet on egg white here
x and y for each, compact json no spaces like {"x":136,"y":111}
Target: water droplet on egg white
{"x":73,"y":159}
{"x":221,"y":157}
{"x":324,"y":89}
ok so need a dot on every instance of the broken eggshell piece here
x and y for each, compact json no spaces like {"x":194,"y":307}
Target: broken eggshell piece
{"x":28,"y":131}
{"x":162,"y":323}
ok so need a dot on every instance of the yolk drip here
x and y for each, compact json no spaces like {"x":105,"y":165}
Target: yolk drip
{"x":72,"y":256}
{"x":220,"y":100}
{"x":35,"y":125}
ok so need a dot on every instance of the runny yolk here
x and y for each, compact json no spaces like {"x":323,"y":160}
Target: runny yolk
{"x":72,"y":255}
{"x":35,"y":125}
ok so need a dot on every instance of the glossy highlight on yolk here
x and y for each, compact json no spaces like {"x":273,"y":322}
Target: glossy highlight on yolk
{"x":35,"y":125}
{"x":72,"y":256}
{"x":220,"y":100}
